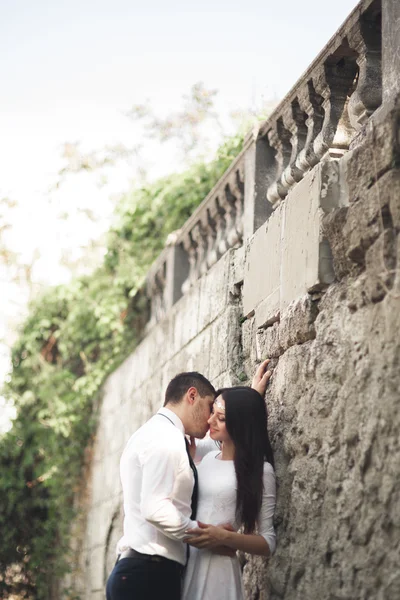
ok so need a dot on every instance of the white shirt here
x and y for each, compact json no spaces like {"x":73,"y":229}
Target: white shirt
{"x":157,"y":484}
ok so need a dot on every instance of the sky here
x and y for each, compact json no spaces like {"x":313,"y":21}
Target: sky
{"x":71,"y":70}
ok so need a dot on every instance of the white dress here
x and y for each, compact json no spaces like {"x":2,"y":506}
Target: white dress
{"x":210,"y":576}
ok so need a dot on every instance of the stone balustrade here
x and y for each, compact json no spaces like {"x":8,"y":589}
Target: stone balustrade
{"x":320,"y":119}
{"x":215,"y":227}
{"x":322,"y":114}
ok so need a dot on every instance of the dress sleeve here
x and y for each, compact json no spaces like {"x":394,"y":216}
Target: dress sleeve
{"x":203,"y":447}
{"x":265,"y":519}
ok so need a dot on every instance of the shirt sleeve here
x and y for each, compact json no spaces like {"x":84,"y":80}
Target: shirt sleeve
{"x":265,"y":520}
{"x":203,"y":447}
{"x":160,"y":466}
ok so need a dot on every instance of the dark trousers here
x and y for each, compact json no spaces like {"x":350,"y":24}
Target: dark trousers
{"x":141,"y":579}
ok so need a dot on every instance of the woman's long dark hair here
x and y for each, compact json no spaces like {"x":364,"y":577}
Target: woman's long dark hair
{"x":246,"y":423}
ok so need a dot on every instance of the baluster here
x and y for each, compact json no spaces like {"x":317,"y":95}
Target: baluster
{"x":200,"y":238}
{"x":334,"y":83}
{"x":294,"y":119}
{"x":232,"y":235}
{"x":234,"y":222}
{"x":365,"y":39}
{"x":238,"y":191}
{"x":279,"y":139}
{"x":221,"y":242}
{"x":160,"y":298}
{"x":212,"y":251}
{"x":311,"y":103}
{"x":156,"y":291}
{"x":190,"y":247}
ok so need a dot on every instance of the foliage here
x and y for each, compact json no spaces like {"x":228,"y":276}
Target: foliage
{"x":74,"y":336}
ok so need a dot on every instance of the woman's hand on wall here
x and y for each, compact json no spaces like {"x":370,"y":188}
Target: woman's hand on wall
{"x":261,"y":378}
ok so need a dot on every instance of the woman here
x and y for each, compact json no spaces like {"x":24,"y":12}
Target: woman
{"x":236,"y":489}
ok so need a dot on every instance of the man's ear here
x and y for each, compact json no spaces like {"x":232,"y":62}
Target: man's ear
{"x":191,"y":395}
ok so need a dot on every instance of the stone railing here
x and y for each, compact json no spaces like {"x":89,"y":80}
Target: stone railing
{"x":321,"y":118}
{"x":215,"y":227}
{"x":323,"y":113}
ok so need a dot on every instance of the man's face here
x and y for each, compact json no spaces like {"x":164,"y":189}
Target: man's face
{"x":201,"y":411}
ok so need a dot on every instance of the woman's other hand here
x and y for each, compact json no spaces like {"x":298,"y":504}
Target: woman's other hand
{"x":261,"y":378}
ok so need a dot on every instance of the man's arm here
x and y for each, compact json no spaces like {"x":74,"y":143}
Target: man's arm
{"x":160,"y":468}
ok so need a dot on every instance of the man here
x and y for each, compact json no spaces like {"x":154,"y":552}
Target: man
{"x":159,"y":484}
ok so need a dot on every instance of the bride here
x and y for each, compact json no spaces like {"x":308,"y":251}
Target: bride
{"x":236,"y":490}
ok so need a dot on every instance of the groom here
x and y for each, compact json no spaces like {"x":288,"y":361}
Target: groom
{"x":159,"y":483}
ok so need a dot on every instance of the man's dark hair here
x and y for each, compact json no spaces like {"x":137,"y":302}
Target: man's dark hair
{"x":179,"y":385}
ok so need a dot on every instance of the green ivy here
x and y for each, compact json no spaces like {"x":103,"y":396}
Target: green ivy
{"x":74,"y":337}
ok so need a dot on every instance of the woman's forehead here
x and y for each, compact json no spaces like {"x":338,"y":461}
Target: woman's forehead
{"x":219,"y":403}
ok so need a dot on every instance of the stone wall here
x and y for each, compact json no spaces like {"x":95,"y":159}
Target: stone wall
{"x":334,"y":400}
{"x":294,"y":256}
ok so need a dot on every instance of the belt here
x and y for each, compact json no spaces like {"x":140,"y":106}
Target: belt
{"x":130,"y":553}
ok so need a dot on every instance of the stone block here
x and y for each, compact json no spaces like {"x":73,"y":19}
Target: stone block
{"x":184,"y":319}
{"x":249,"y":339}
{"x":257,"y":209}
{"x":390,"y":50}
{"x":213,"y":294}
{"x":333,"y":229}
{"x":236,"y":272}
{"x":297,"y":323}
{"x":378,"y":153}
{"x":306,"y":262}
{"x":195,"y":356}
{"x":289,"y":255}
{"x":261,"y":287}
{"x":390,"y":186}
{"x":225,"y":350}
{"x":268,"y":342}
{"x":377,"y":209}
{"x":145,"y":401}
{"x":380,"y":261}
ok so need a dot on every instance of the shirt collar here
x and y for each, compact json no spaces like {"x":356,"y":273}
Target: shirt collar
{"x":174,"y":418}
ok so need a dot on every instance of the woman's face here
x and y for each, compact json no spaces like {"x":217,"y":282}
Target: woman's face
{"x":218,"y":431}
